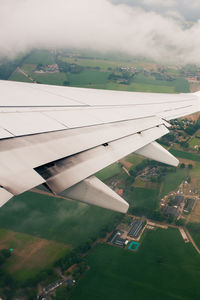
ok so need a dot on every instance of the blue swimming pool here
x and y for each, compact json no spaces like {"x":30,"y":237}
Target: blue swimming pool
{"x":133,"y":246}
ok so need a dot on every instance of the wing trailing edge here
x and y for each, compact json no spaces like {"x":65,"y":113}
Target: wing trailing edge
{"x":62,"y":136}
{"x":156,"y":152}
{"x":4,"y":196}
{"x":95,"y":192}
{"x":71,"y":170}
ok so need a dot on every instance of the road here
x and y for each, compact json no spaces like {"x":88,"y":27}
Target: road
{"x":25,"y":74}
{"x":192,"y":241}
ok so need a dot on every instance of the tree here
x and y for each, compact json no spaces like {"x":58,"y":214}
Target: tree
{"x":4,"y":254}
{"x":182,"y":166}
{"x":190,"y":166}
{"x":180,"y":222}
{"x":132,"y":172}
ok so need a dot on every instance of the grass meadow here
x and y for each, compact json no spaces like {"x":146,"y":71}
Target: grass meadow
{"x":63,"y":221}
{"x":173,"y":180}
{"x":193,"y":142}
{"x":164,"y":268}
{"x":19,"y":77}
{"x":143,"y":200}
{"x":108,"y":172}
{"x":194,"y":229}
{"x":36,"y":57}
{"x":185,"y":155}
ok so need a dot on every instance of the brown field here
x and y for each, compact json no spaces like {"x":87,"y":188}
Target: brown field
{"x":29,"y":252}
{"x":194,"y":87}
{"x":126,"y":164}
{"x":187,"y":161}
{"x":195,"y":175}
{"x":193,"y":117}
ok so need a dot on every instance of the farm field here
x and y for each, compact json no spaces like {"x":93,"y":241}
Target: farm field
{"x":193,"y":142}
{"x":40,"y":57}
{"x":143,"y":200}
{"x":96,"y":72}
{"x":194,"y":229}
{"x":134,"y":159}
{"x":88,"y":78}
{"x":19,"y":77}
{"x":164,"y":268}
{"x":173,"y":180}
{"x":108,"y":62}
{"x":108,"y":172}
{"x":194,"y":216}
{"x":63,"y":221}
{"x":31,"y":254}
{"x":49,"y":78}
{"x":140,"y":87}
{"x":195,"y":174}
{"x":179,"y":85}
{"x":186,"y":155}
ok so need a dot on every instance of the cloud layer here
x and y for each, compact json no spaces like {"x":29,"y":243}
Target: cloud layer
{"x":97,"y":25}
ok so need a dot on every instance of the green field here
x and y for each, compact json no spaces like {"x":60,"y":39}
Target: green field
{"x":195,"y":174}
{"x":92,"y":63}
{"x":55,"y":219}
{"x":140,"y":87}
{"x":110,"y":61}
{"x":19,"y":77}
{"x":88,"y":78}
{"x":40,"y":57}
{"x":143,"y":200}
{"x":28,"y":68}
{"x":194,"y":230}
{"x":164,"y":268}
{"x":134,"y":159}
{"x":108,"y":172}
{"x":178,"y":85}
{"x":173,"y":180}
{"x":94,"y":78}
{"x":185,"y":155}
{"x":49,"y":78}
{"x":181,"y":85}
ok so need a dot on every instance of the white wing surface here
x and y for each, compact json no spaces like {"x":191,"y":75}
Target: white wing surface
{"x":61,"y":136}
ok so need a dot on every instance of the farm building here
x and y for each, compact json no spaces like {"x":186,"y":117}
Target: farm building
{"x":136,"y":229}
{"x":178,"y":200}
{"x":171,"y":211}
{"x":189,"y":203}
{"x":115,"y":238}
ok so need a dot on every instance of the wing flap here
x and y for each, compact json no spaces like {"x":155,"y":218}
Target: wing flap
{"x":156,"y":152}
{"x":4,"y":196}
{"x":95,"y":192}
{"x":20,"y":182}
{"x":36,"y":150}
{"x":71,"y":170}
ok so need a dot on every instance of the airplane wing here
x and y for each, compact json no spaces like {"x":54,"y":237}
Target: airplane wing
{"x":61,"y":136}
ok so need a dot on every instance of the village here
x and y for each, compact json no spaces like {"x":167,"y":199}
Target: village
{"x":175,"y":207}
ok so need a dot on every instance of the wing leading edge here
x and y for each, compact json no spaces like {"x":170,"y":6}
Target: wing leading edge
{"x":61,"y":136}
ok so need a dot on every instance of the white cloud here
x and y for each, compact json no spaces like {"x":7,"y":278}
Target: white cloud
{"x":165,"y":3}
{"x":97,"y":25}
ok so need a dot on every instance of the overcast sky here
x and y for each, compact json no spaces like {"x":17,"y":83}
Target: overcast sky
{"x":186,"y":9}
{"x":164,"y":30}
